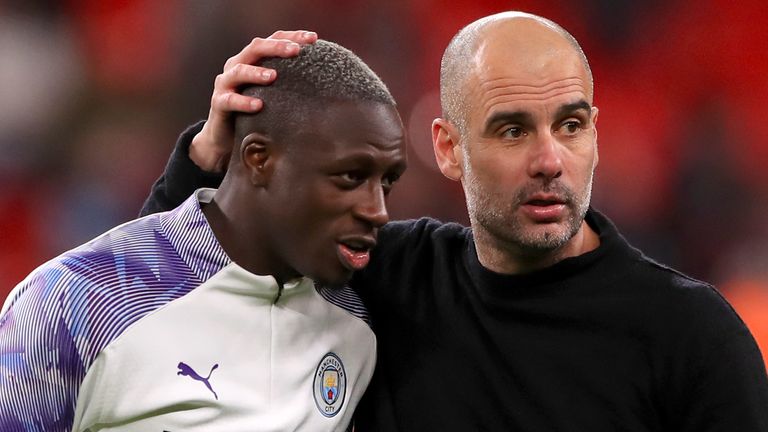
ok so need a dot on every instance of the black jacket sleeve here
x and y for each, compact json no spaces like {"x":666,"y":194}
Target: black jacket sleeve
{"x":181,"y":177}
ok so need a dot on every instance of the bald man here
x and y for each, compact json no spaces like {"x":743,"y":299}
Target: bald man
{"x":540,"y":317}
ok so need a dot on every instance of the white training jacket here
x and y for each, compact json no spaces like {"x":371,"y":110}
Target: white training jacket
{"x":151,"y":327}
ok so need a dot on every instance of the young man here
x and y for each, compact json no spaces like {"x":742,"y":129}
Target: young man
{"x":540,"y":317}
{"x":208,"y":317}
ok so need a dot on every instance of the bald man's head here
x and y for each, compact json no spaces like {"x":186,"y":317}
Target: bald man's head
{"x":523,"y":36}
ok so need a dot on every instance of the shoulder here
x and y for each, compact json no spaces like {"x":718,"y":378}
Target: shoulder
{"x":642,"y":277}
{"x":86,"y":296}
{"x":675,"y":307}
{"x":691,"y":295}
{"x":77,"y":266}
{"x":423,"y":231}
{"x":417,"y":242}
{"x":346,"y":299}
{"x":109,"y":260}
{"x":61,"y":317}
{"x":406,"y":248}
{"x":664,"y":298}
{"x":707,"y":352}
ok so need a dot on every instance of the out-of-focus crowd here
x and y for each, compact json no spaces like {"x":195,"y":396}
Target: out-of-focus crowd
{"x":94,"y":92}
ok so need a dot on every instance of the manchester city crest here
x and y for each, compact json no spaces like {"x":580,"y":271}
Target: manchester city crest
{"x":330,"y":385}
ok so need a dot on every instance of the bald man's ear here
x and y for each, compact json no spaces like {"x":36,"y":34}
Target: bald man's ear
{"x":446,"y":144}
{"x":256,"y":154}
{"x":594,"y":114}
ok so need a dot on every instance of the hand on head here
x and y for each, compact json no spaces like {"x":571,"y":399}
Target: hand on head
{"x":211,"y":148}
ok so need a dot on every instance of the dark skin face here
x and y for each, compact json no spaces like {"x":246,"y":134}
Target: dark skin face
{"x":312,"y":205}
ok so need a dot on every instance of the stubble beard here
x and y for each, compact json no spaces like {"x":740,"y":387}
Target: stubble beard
{"x":500,"y":217}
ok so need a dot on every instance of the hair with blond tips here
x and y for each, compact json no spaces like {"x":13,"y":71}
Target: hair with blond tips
{"x":323,"y":72}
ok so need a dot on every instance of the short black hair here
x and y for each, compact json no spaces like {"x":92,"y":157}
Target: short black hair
{"x":323,"y":72}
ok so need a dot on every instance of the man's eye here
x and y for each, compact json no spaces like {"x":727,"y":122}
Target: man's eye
{"x":352,"y":177}
{"x":388,"y":182}
{"x":512,"y":132}
{"x":571,"y":127}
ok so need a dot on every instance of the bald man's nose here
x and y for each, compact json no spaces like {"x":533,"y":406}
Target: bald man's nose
{"x":545,"y":157}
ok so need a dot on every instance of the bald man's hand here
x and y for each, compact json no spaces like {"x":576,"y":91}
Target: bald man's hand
{"x":210,"y":149}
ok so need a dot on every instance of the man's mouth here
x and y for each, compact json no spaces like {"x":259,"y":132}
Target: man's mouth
{"x":544,"y":208}
{"x":355,"y":252}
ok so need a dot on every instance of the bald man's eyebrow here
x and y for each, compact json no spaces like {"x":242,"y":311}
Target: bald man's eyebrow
{"x":507,"y":117}
{"x":569,"y":109}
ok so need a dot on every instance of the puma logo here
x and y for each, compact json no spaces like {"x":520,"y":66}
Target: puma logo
{"x":186,"y":370}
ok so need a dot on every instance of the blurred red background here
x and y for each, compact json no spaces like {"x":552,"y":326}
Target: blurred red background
{"x":94,"y":93}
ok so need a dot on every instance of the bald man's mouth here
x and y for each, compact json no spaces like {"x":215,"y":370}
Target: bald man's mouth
{"x":545,"y":208}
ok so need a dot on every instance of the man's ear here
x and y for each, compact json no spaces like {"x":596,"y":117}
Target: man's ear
{"x":594,"y":114}
{"x":446,"y":144}
{"x":257,"y":156}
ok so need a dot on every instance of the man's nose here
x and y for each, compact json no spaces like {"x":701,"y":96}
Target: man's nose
{"x":545,"y":157}
{"x":373,"y":208}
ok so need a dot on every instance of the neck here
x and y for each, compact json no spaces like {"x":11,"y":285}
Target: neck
{"x":502,"y":257}
{"x":243,"y":236}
